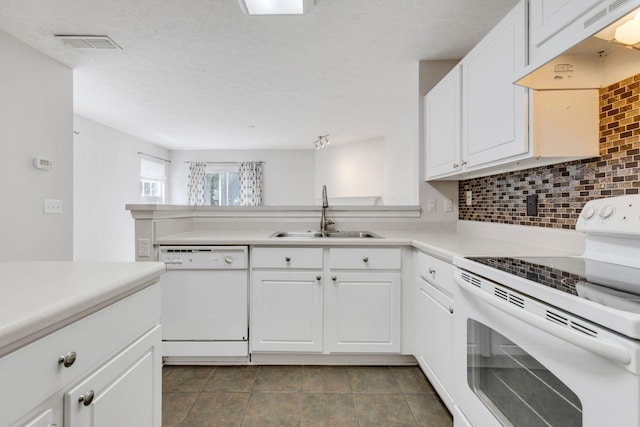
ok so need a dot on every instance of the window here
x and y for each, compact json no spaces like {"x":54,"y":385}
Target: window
{"x":221,"y":185}
{"x":152,"y":181}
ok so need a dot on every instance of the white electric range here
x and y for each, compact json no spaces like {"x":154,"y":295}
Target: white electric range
{"x":553,"y":340}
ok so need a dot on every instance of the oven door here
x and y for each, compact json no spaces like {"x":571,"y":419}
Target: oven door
{"x":519,"y":362}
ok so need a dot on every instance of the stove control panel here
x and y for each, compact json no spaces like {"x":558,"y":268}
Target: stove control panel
{"x":619,"y":216}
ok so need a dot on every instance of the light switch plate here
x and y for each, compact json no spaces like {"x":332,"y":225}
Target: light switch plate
{"x":431,"y":205}
{"x":448,"y":205}
{"x":469,"y":198}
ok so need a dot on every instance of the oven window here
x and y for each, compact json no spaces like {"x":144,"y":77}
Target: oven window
{"x":514,"y":385}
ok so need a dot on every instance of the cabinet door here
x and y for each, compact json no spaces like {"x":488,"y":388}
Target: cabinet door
{"x":548,"y":17}
{"x":126,"y":391}
{"x":364,"y":313}
{"x":286,"y":312}
{"x":433,"y":327}
{"x":442,"y":126}
{"x":493,"y":115}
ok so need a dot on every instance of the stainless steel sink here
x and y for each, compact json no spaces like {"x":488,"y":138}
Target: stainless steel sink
{"x":326,"y":234}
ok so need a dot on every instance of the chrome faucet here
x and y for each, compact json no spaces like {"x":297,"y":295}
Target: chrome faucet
{"x":325,"y":204}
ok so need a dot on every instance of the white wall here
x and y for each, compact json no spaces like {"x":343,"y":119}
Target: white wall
{"x":36,"y":117}
{"x":288,"y":174}
{"x":107,"y":177}
{"x":355,"y":169}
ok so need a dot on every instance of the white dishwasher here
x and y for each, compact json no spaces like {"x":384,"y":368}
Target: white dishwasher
{"x":204,"y":303}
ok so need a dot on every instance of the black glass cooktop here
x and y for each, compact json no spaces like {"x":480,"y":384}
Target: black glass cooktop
{"x":617,"y":286}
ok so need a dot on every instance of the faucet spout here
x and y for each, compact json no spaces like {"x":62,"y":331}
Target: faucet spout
{"x":325,"y":204}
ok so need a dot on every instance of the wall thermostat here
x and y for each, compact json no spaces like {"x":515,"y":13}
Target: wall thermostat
{"x":42,"y":163}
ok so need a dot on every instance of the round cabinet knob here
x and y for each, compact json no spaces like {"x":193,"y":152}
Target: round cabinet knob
{"x":365,"y":259}
{"x":334,"y":278}
{"x":606,"y":212}
{"x":318,"y":278}
{"x":288,"y":259}
{"x":455,"y":165}
{"x":588,"y":213}
{"x":432,"y":271}
{"x":87,"y":398}
{"x":228,"y":260}
{"x":451,"y":310}
{"x":68,"y":359}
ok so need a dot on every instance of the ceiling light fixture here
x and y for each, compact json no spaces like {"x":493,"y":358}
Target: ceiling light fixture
{"x":629,"y":32}
{"x":88,"y":42}
{"x":321,"y":142}
{"x":275,"y":7}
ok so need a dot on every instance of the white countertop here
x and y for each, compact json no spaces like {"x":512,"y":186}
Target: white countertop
{"x":445,"y":244}
{"x":37,"y":298}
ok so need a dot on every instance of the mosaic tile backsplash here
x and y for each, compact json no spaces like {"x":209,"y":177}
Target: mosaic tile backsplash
{"x":563,"y":189}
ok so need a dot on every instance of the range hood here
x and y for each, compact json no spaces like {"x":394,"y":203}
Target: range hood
{"x":595,"y":62}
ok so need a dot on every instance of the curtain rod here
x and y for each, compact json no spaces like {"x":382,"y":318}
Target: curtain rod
{"x":218,"y":163}
{"x":154,"y":157}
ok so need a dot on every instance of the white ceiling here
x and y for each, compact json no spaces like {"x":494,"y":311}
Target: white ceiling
{"x":200,"y":74}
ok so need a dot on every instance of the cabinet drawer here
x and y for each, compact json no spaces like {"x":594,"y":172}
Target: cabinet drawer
{"x":93,"y":338}
{"x":434,"y":271}
{"x":287,"y":258}
{"x":365,"y":258}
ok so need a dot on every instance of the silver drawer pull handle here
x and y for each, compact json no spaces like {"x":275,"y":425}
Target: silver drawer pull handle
{"x":287,"y":259}
{"x":68,"y":359}
{"x":87,"y":398}
{"x":318,"y":278}
{"x":365,"y":259}
{"x":334,"y":278}
{"x":228,"y":260}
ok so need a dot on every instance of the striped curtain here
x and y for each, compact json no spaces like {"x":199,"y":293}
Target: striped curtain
{"x":195,"y":183}
{"x":250,"y":176}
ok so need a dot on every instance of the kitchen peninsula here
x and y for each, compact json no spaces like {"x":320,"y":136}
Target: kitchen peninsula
{"x":76,"y":333}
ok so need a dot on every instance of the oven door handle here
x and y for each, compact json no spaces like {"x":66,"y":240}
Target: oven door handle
{"x":608,"y":350}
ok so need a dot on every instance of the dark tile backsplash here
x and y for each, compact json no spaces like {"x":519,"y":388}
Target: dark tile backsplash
{"x":564,"y":188}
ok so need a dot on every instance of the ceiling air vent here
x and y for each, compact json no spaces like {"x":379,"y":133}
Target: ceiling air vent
{"x":88,"y":42}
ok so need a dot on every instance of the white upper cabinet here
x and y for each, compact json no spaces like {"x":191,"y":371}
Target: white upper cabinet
{"x":548,"y":17}
{"x":479,"y":123}
{"x":570,"y":44}
{"x":493,"y":108}
{"x":442,"y":109}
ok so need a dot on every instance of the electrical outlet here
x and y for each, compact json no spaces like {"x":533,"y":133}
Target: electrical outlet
{"x":52,"y":206}
{"x":431,"y":205}
{"x":469,"y":198}
{"x":144,"y":249}
{"x":532,"y":205}
{"x":448,"y":205}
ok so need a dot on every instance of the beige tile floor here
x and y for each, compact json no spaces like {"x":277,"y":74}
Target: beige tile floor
{"x":333,"y":396}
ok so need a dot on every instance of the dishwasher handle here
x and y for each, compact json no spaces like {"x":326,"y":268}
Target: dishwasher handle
{"x":608,"y":350}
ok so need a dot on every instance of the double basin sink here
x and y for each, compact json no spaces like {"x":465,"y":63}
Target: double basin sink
{"x":326,"y":234}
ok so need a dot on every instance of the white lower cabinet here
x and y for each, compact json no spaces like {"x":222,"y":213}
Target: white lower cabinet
{"x":286,"y":313}
{"x":349,"y":304}
{"x":364,"y":313}
{"x":111,"y":358}
{"x":122,"y":392}
{"x":434,"y":323}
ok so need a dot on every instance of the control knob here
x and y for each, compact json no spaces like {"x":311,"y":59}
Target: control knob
{"x":588,"y":213}
{"x":606,"y":211}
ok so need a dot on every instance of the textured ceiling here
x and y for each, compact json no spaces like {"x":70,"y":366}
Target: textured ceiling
{"x":201,"y":74}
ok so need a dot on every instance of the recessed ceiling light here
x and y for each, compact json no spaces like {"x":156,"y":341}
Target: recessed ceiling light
{"x":88,"y":42}
{"x":276,"y":7}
